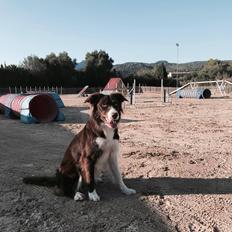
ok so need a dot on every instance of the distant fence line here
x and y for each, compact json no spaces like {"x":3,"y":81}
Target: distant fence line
{"x":62,"y":90}
{"x":153,"y":89}
{"x":39,"y":89}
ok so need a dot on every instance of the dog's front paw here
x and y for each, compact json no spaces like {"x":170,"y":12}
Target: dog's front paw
{"x":93,"y":196}
{"x":79,"y":196}
{"x":128,"y":191}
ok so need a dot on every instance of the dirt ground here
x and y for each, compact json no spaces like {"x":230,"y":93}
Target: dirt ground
{"x":176,"y":155}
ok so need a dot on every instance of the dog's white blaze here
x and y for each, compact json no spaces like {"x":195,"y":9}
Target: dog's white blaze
{"x":93,"y":196}
{"x":110,"y":114}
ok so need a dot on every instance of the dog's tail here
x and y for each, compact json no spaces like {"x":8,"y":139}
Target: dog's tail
{"x":64,"y":185}
{"x":48,"y":181}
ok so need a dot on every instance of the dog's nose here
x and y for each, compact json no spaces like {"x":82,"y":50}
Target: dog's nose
{"x":115,"y":115}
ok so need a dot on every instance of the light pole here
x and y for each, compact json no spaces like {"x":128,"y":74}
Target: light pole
{"x":177,"y":63}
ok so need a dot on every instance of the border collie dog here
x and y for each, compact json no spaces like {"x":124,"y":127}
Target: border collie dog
{"x":93,"y":149}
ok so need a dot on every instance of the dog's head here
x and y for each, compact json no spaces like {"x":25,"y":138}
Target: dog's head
{"x":107,"y":109}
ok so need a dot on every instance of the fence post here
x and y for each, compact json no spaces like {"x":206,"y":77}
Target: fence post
{"x":131,"y":97}
{"x":134,"y":86}
{"x":162,"y":89}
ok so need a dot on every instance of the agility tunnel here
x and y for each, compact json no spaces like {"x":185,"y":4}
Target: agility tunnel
{"x":32,"y":108}
{"x":57,"y":99}
{"x":198,"y":93}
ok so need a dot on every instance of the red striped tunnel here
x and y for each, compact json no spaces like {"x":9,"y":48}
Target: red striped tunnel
{"x":42,"y":107}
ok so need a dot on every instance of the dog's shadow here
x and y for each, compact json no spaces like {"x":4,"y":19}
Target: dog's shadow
{"x":154,"y":186}
{"x":180,"y":186}
{"x":167,"y":186}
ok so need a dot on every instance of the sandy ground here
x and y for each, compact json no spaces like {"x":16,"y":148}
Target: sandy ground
{"x":176,"y":155}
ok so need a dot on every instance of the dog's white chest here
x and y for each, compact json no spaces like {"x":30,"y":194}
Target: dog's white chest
{"x":108,"y":145}
{"x":107,"y":142}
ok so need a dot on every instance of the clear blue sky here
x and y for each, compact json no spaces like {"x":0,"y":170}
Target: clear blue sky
{"x":128,"y":30}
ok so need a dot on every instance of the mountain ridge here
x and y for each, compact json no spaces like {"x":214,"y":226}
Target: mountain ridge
{"x":131,"y":68}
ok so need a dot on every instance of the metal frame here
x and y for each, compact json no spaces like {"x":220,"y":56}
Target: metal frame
{"x":221,"y":84}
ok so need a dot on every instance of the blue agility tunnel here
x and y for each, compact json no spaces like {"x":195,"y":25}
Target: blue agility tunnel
{"x":198,"y":93}
{"x":57,"y":99}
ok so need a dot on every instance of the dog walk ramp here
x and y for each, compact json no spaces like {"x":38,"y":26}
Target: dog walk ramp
{"x":81,"y":93}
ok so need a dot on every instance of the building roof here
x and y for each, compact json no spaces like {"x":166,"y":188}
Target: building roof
{"x":113,"y":84}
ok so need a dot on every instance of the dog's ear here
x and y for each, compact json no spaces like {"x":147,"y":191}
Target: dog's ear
{"x":94,"y":98}
{"x":118,"y":97}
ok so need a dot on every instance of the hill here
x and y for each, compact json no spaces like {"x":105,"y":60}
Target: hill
{"x":131,"y":68}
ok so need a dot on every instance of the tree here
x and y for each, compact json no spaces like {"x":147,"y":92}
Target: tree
{"x":53,"y":70}
{"x":60,"y":69}
{"x":213,"y":62}
{"x":14,"y":75}
{"x":160,"y":71}
{"x":98,"y":67}
{"x":36,"y":67}
{"x":214,"y":69}
{"x":51,"y":59}
{"x":34,"y":64}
